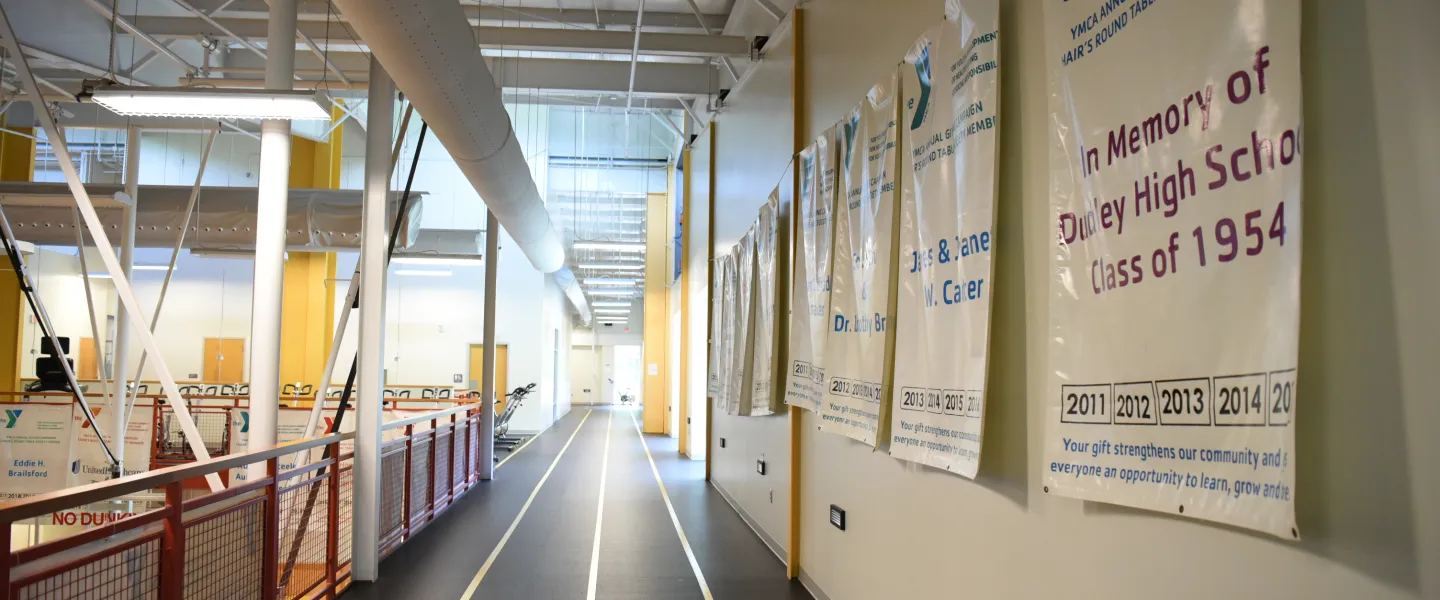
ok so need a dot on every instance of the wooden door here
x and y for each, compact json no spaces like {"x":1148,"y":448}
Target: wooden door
{"x":89,"y":366}
{"x":224,"y":360}
{"x":502,"y":368}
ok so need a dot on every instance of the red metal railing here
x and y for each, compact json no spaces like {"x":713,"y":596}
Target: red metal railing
{"x":285,"y":535}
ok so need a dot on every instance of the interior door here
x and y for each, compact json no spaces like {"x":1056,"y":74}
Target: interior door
{"x":502,"y":368}
{"x":89,"y":365}
{"x":224,"y":360}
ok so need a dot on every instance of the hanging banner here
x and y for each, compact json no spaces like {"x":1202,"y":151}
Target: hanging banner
{"x":34,"y":445}
{"x":861,"y":305}
{"x":947,"y":218}
{"x":763,"y":400}
{"x":742,"y":376}
{"x":88,"y":462}
{"x":728,"y":333}
{"x":716,"y":377}
{"x":289,"y":426}
{"x":810,"y":290}
{"x":1174,"y":307}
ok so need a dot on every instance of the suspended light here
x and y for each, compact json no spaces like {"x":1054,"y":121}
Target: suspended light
{"x":612,"y":266}
{"x":423,"y":273}
{"x":211,"y":103}
{"x":452,"y":262}
{"x":602,"y":281}
{"x":620,"y":293}
{"x":611,"y":311}
{"x":615,"y":246}
{"x":608,"y":303}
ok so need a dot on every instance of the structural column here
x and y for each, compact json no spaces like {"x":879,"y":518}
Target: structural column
{"x":374,"y":234}
{"x":121,"y":362}
{"x":270,"y":221}
{"x":17,"y":163}
{"x":487,"y":362}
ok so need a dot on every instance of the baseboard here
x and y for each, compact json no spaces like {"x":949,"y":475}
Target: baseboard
{"x":754,"y":526}
{"x":811,"y":586}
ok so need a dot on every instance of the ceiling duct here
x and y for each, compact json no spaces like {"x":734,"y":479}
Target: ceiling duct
{"x":565,"y":278}
{"x":319,"y":220}
{"x":445,"y":243}
{"x":429,"y":48}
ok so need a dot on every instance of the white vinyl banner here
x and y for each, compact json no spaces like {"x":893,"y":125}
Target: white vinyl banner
{"x":740,"y":371}
{"x":810,"y":292}
{"x":88,"y":462}
{"x":762,"y":397}
{"x":715,"y":387}
{"x":1174,"y":305}
{"x":860,"y":302}
{"x":726,"y":347}
{"x":34,"y":445}
{"x":289,"y":425}
{"x":947,"y":218}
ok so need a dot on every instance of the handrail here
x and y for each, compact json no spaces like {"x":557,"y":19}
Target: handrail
{"x":428,"y":416}
{"x":59,"y":500}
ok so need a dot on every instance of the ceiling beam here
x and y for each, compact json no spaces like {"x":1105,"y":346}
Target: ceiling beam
{"x":511,"y":38}
{"x":493,"y":13}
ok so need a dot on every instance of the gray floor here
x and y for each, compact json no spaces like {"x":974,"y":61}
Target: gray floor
{"x":548,"y":555}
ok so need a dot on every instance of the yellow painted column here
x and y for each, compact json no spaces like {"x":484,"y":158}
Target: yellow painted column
{"x":684,"y":284}
{"x":308,"y":305}
{"x":657,"y":315}
{"x":17,"y":163}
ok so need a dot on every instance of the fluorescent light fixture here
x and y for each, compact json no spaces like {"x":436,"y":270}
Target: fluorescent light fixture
{"x":603,"y":281}
{"x":452,"y":262}
{"x":612,"y":311}
{"x":153,"y":267}
{"x":612,"y":266}
{"x":211,"y":103}
{"x":615,"y":246}
{"x":423,"y":273}
{"x":99,"y":275}
{"x":612,"y":321}
{"x":605,"y":303}
{"x":619,"y":293}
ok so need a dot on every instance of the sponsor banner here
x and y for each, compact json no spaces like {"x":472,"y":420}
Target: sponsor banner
{"x":741,"y":378}
{"x":1174,"y":307}
{"x":858,"y":328}
{"x":726,"y":346}
{"x":88,"y":462}
{"x":810,"y":292}
{"x":34,"y":448}
{"x":946,"y":246}
{"x":763,"y":400}
{"x":290,"y":426}
{"x":716,"y":377}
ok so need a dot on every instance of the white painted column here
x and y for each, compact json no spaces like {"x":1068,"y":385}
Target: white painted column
{"x":121,"y":362}
{"x":487,"y":364}
{"x":370,"y":375}
{"x":270,"y":221}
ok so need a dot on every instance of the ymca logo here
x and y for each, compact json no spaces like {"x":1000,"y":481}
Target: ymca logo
{"x":922,"y":71}
{"x":95,"y":411}
{"x":12,"y":416}
{"x":329,"y":424}
{"x":244,"y":421}
{"x":850,"y":127}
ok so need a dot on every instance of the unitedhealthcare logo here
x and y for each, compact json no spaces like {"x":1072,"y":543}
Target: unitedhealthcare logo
{"x":922,"y":72}
{"x":12,"y":417}
{"x":851,"y":125}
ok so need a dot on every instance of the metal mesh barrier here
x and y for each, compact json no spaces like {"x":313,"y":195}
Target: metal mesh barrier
{"x":304,"y":508}
{"x":419,"y":479}
{"x":442,"y":465}
{"x":223,"y":553}
{"x":347,"y":511}
{"x":392,"y":495}
{"x":214,"y":426}
{"x":129,"y":571}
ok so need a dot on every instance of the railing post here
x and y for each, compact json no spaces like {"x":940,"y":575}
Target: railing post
{"x":5,"y":541}
{"x":172,"y":556}
{"x":434,"y":446}
{"x":269,"y":575}
{"x":469,"y":431}
{"x":450,"y":477}
{"x":409,"y":458}
{"x":332,"y":538}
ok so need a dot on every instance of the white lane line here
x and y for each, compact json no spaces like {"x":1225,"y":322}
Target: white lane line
{"x":690,"y":554}
{"x":600,"y":510}
{"x":475,"y":583}
{"x":517,"y":450}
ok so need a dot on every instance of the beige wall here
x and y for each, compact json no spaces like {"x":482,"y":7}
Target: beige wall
{"x":1368,"y":481}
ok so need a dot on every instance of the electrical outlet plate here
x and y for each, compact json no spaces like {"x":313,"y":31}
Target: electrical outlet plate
{"x":760,"y":466}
